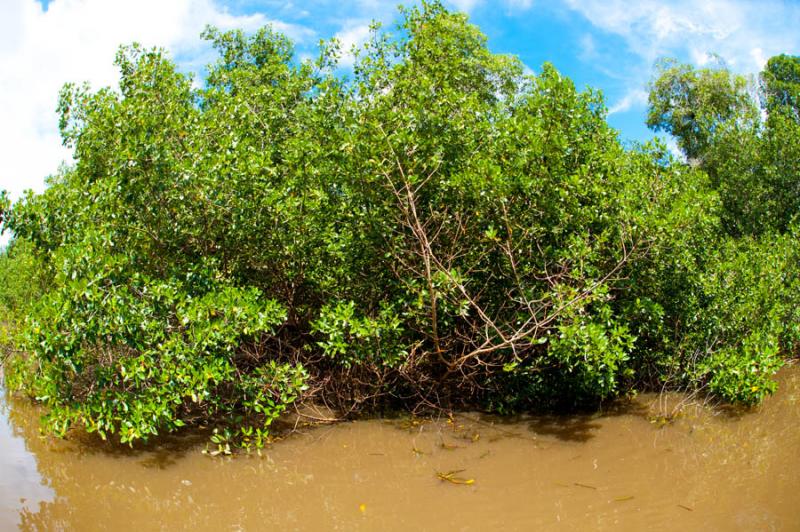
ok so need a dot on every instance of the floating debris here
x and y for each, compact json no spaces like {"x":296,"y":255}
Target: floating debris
{"x":409,"y":424}
{"x":623,"y":499}
{"x":587,"y":486}
{"x":451,"y":477}
{"x":686,"y":508}
{"x":662,"y":420}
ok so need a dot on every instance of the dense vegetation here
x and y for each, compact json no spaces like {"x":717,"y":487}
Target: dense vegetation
{"x":435,"y":230}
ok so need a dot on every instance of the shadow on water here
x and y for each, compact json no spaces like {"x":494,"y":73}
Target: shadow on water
{"x":159,"y":453}
{"x":576,"y":426}
{"x":573,"y":428}
{"x":24,"y":418}
{"x":581,"y":427}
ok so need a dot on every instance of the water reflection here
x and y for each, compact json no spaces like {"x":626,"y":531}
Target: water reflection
{"x":619,"y":470}
{"x":21,"y":487}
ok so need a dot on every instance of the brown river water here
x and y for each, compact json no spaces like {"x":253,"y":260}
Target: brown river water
{"x":623,"y":469}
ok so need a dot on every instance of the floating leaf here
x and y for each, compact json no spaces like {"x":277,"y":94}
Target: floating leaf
{"x":451,"y":477}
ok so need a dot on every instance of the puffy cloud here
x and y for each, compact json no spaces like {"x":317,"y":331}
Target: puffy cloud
{"x":76,"y":40}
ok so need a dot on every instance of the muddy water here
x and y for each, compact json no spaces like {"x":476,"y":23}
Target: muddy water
{"x":622,"y":470}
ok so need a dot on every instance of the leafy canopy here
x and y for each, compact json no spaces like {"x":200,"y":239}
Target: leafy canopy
{"x":437,"y":230}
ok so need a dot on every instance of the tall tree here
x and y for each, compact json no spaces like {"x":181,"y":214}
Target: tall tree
{"x":780,"y":85}
{"x":717,"y":121}
{"x":695,"y":105}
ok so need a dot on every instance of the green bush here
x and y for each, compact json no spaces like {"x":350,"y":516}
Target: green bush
{"x":752,"y":317}
{"x":441,"y":229}
{"x":119,"y":352}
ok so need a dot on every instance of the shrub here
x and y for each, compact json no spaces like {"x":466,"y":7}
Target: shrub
{"x":441,"y":230}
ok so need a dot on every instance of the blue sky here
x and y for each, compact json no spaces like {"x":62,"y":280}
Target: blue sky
{"x":536,"y":33}
{"x":607,"y":44}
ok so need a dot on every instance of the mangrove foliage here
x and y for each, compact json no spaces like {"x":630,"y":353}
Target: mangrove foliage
{"x":433,"y":229}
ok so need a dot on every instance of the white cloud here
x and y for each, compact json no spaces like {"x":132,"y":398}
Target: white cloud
{"x":521,"y":5}
{"x":633,"y":98}
{"x":353,"y":34}
{"x":694,"y":28}
{"x":740,"y":32}
{"x":757,"y":54}
{"x":588,"y":47}
{"x":76,"y":40}
{"x":465,"y":5}
{"x":700,"y":57}
{"x":674,"y":149}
